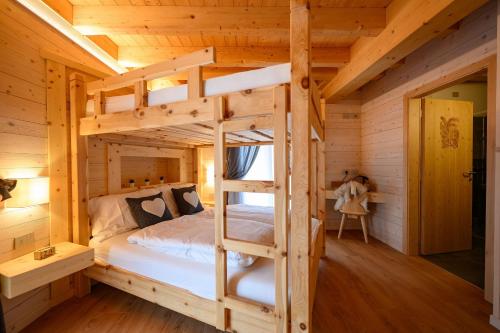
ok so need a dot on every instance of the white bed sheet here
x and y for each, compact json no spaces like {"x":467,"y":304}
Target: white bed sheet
{"x":255,"y":282}
{"x":254,"y":79}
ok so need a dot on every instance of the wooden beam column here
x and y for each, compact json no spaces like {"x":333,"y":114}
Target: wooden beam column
{"x":281,"y":204}
{"x":79,"y":166}
{"x":59,"y":148}
{"x":59,"y":169}
{"x":301,"y":103}
{"x":320,"y":181}
{"x":221,"y":319}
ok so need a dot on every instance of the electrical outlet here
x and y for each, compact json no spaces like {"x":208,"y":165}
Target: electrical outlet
{"x":24,"y":241}
{"x":350,"y":116}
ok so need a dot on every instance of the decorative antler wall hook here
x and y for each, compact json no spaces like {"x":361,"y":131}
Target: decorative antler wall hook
{"x":6,"y":186}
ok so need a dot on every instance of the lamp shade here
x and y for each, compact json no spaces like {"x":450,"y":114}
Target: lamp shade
{"x":29,"y":192}
{"x":210,"y":174}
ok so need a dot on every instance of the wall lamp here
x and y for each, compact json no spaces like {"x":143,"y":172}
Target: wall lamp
{"x":24,"y":192}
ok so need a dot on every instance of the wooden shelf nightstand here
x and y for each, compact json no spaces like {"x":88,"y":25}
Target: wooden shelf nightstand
{"x":23,"y":274}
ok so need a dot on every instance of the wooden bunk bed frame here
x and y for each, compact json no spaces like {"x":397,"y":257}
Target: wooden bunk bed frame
{"x":249,"y":111}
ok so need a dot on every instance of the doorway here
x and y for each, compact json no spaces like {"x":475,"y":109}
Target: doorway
{"x":481,"y":164}
{"x":453,"y":178}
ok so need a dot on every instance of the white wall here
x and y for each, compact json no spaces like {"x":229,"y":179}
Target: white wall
{"x":475,"y":92}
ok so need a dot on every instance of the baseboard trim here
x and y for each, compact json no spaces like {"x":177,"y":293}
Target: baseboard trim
{"x":495,"y":322}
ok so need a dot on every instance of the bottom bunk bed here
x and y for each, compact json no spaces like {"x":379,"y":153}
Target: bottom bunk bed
{"x":177,"y":278}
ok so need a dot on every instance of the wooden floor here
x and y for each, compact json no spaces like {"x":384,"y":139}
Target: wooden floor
{"x":361,"y":288}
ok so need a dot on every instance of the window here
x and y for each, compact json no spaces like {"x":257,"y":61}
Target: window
{"x":262,"y":169}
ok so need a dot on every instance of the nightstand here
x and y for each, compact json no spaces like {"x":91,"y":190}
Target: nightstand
{"x":23,"y":274}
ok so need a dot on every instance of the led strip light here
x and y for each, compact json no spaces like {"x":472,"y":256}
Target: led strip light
{"x":50,"y":16}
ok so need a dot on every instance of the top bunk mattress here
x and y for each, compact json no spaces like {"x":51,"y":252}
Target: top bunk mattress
{"x":254,"y":79}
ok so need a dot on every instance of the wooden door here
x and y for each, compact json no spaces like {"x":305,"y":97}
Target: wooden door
{"x":446,"y":195}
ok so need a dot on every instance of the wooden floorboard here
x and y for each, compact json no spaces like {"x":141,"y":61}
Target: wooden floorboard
{"x":361,"y":288}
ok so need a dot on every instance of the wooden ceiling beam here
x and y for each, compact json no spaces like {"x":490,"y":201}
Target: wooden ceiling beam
{"x":65,"y":9}
{"x":105,"y":43}
{"x":160,"y":69}
{"x":62,"y":7}
{"x":223,"y":21}
{"x":319,"y":73}
{"x":411,"y":24}
{"x":233,"y":56}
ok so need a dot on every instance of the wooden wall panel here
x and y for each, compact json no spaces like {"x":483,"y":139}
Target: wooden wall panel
{"x":205,"y":166}
{"x":24,"y":137}
{"x":342,"y":149}
{"x":98,"y":176}
{"x":382,"y":113}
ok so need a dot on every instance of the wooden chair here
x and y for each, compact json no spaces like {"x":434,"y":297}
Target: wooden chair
{"x":353,"y":209}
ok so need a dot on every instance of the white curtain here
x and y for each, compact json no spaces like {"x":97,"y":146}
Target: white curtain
{"x":262,"y":169}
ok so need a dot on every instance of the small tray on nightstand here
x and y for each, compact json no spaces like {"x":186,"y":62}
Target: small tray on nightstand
{"x":23,"y":274}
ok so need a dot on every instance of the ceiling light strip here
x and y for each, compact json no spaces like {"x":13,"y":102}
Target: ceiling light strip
{"x":50,"y":16}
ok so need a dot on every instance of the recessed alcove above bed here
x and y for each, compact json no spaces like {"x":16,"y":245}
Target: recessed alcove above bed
{"x":149,"y":170}
{"x":113,"y":164}
{"x":127,"y":162}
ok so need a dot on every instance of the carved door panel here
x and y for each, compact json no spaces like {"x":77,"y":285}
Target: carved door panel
{"x":446,"y":192}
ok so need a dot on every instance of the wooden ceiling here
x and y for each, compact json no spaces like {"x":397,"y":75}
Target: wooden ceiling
{"x":246,"y":33}
{"x":353,"y":41}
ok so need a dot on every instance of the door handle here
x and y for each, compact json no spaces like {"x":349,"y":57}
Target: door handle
{"x":469,"y":175}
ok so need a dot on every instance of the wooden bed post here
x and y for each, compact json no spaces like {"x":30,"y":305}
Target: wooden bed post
{"x":314,"y":178}
{"x":195,"y":82}
{"x":220,"y":215}
{"x":300,"y":46}
{"x":321,"y":164}
{"x":81,"y":229}
{"x":321,"y":191}
{"x":281,"y":165}
{"x":140,"y":94}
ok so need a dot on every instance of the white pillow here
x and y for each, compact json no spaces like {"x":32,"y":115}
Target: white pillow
{"x":169,"y":197}
{"x":110,"y":214}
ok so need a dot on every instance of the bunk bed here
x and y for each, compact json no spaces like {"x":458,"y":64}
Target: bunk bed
{"x":247,"y":108}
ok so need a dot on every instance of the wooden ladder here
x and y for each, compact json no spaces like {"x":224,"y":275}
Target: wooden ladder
{"x":279,"y":186}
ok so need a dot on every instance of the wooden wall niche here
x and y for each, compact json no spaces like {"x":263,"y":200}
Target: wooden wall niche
{"x":124,"y":159}
{"x":140,"y":168}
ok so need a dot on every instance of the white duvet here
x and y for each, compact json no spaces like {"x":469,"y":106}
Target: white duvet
{"x":193,"y":236}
